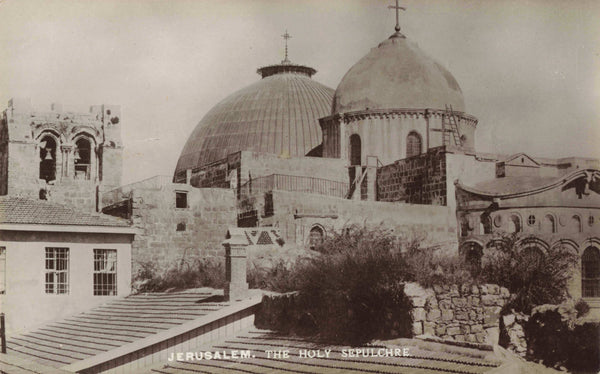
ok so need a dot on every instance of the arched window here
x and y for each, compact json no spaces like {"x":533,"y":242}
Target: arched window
{"x":48,"y":158}
{"x":548,"y":224}
{"x":590,"y":272}
{"x":532,"y":256}
{"x":83,"y":158}
{"x":485,"y":224}
{"x":413,"y":144}
{"x":316,"y":237}
{"x":355,"y":151}
{"x":514,"y":224}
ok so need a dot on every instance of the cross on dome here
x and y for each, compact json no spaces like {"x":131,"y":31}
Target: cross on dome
{"x":397,"y":8}
{"x":286,"y":36}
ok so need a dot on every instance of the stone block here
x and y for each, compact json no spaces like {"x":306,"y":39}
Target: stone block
{"x":491,"y":335}
{"x":447,"y":314}
{"x":459,"y":301}
{"x":434,"y":315}
{"x":429,"y":328}
{"x":475,"y":290}
{"x":440,"y":330}
{"x":417,"y":328}
{"x":452,"y":331}
{"x":459,"y":338}
{"x":489,"y":300}
{"x":480,"y":337}
{"x":508,"y":320}
{"x":418,"y":314}
{"x":461,"y":315}
{"x":465,"y":329}
{"x":432,"y":302}
{"x":477,"y":328}
{"x":445,"y":304}
{"x":491,"y":315}
{"x":504,"y":292}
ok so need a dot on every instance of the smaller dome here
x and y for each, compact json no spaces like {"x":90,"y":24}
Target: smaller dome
{"x":397,"y":74}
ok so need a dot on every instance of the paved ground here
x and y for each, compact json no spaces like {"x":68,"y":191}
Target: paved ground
{"x":425,"y":357}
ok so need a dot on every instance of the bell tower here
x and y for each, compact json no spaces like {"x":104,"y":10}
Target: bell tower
{"x":61,"y":156}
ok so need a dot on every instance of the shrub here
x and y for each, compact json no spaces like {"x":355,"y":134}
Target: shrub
{"x":280,"y":276}
{"x":199,"y":273}
{"x":353,"y":292}
{"x":533,"y":277}
{"x":558,"y":338}
{"x":427,"y":267}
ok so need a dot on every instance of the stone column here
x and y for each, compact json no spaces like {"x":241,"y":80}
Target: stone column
{"x":235,"y":265}
{"x":66,"y":160}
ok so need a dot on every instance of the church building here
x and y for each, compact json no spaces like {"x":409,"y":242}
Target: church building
{"x":393,"y":147}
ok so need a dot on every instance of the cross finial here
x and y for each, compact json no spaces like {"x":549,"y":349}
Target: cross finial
{"x":286,"y":36}
{"x":397,"y":7}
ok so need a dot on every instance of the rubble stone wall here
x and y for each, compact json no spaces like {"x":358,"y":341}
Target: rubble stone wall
{"x":460,"y":313}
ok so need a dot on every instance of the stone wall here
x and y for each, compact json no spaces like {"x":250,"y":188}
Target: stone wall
{"x":465,"y":313}
{"x":417,"y":180}
{"x":169,"y":235}
{"x":295,"y":213}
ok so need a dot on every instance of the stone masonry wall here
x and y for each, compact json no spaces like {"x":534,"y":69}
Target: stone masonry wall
{"x":465,"y":313}
{"x":417,"y":180}
{"x":168,"y":235}
{"x":171,"y":235}
{"x":295,"y":213}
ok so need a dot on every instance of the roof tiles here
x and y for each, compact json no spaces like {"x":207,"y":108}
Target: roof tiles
{"x":19,"y":210}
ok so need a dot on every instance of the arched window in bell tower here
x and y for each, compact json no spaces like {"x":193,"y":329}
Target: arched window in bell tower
{"x":83,"y":158}
{"x":48,"y":158}
{"x":413,"y":144}
{"x":355,"y":151}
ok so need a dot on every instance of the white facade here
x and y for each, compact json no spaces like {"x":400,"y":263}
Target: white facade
{"x":32,"y":296}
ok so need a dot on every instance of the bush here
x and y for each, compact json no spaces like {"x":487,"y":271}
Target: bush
{"x":556,"y":337}
{"x":353,"y":292}
{"x":534,"y":278}
{"x":280,"y":276}
{"x":206,"y":272}
{"x":428,"y":267}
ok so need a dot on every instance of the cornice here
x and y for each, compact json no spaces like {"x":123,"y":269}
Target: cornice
{"x":396,"y":113}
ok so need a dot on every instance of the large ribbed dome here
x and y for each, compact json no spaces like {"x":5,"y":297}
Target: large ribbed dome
{"x":397,"y":74}
{"x":278,"y":114}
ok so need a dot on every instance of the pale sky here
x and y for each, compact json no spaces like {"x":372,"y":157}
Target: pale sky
{"x":529,"y":70}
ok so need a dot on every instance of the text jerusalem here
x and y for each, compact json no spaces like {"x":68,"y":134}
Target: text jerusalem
{"x":286,"y":353}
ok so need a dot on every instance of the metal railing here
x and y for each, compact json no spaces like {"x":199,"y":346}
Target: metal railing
{"x":293,"y":183}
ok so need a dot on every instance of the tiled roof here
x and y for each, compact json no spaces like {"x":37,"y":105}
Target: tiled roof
{"x":18,"y":210}
{"x":112,"y":325}
{"x":425,"y":357}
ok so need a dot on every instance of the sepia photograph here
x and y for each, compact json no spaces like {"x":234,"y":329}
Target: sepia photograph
{"x":299,"y":186}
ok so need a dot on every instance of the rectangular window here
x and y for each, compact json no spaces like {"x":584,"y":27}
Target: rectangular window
{"x":57,"y":270}
{"x":2,"y":270}
{"x":105,"y":272}
{"x":181,"y":200}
